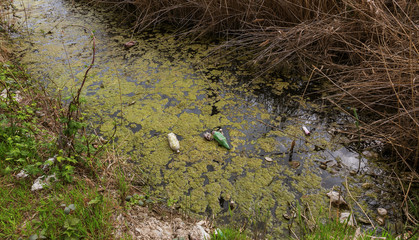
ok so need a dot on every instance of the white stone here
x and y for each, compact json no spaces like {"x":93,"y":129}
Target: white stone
{"x":382,"y":212}
{"x":336,"y":198}
{"x":346,"y":217}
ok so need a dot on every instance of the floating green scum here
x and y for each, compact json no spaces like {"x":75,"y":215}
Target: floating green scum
{"x":219,"y":137}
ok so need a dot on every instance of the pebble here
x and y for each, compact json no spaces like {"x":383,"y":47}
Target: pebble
{"x":382,"y":212}
{"x":346,"y":217}
{"x":336,"y":198}
{"x":380,"y":221}
{"x":364,"y":220}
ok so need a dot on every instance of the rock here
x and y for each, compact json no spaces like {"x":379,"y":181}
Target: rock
{"x":346,"y":217}
{"x":380,"y":221}
{"x":364,"y":221}
{"x":199,"y":233}
{"x":357,"y":234}
{"x":268,"y":159}
{"x":336,"y":199}
{"x":128,"y":198}
{"x":382,"y":212}
{"x":373,"y":203}
{"x":370,"y":154}
{"x":129,"y":44}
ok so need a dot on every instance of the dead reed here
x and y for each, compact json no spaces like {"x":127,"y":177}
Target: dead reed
{"x":366,"y":49}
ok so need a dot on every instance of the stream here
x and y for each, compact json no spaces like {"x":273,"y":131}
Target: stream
{"x":168,"y":83}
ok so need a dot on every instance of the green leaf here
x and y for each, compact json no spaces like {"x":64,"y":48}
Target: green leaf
{"x":98,"y":199}
{"x":33,"y":237}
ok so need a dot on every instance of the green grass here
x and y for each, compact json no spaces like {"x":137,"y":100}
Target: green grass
{"x":68,"y":209}
{"x":25,"y":213}
{"x":228,"y":234}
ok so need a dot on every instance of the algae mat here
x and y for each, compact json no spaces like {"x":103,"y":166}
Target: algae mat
{"x":164,"y":84}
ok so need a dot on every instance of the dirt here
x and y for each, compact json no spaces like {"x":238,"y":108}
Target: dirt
{"x":147,"y":224}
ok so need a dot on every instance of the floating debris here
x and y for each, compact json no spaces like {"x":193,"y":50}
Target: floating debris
{"x":219,"y":137}
{"x":268,"y":159}
{"x":131,"y":103}
{"x":306,"y":131}
{"x":294,"y":164}
{"x":208,"y":136}
{"x":288,"y":216}
{"x":173,"y":142}
{"x":323,"y":166}
{"x":129,"y":44}
{"x":232,"y":205}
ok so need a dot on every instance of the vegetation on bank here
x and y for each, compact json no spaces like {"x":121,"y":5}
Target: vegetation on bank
{"x":32,"y":125}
